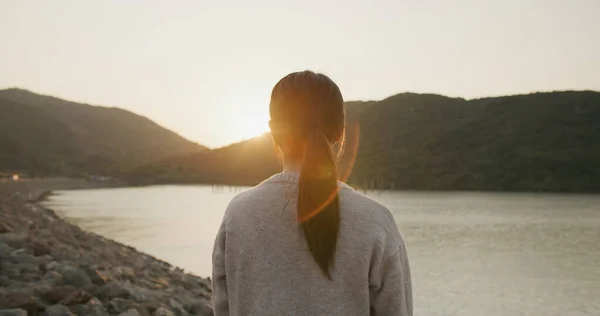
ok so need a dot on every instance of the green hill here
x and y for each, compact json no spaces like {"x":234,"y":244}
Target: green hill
{"x":535,"y":142}
{"x":43,"y":135}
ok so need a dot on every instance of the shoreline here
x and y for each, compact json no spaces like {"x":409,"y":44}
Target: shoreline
{"x":53,"y":267}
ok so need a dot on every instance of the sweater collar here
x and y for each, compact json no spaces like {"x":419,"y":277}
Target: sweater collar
{"x":292,"y":177}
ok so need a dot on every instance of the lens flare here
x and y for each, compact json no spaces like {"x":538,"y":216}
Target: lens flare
{"x":344,"y":177}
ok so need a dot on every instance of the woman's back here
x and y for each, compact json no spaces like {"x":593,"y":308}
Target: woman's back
{"x":301,"y":243}
{"x":262,"y":264}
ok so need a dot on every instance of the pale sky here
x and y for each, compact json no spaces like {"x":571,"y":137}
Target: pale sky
{"x":205,"y":69}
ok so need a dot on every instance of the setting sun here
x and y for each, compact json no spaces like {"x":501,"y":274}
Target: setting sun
{"x":247,"y":115}
{"x":250,"y":125}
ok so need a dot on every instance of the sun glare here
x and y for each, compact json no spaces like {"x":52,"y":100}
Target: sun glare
{"x":247,"y":113}
{"x":244,"y":123}
{"x":251,"y":125}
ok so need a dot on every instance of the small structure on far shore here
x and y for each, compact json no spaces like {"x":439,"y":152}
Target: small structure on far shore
{"x":14,"y":176}
{"x":99,"y":178}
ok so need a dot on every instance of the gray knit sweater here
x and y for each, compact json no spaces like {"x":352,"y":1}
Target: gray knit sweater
{"x":262,"y":266}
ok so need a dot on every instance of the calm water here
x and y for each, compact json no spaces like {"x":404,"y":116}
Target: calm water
{"x":471,"y":253}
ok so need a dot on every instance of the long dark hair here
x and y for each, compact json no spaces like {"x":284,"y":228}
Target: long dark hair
{"x":307,"y":119}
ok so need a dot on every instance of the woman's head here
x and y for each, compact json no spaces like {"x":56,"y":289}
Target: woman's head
{"x":302,"y":102}
{"x":307,"y":119}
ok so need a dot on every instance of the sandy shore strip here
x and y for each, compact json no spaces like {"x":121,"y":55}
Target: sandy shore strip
{"x":51,"y":267}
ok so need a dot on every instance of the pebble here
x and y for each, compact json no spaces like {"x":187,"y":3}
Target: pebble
{"x":52,"y":265}
{"x":163,"y":311}
{"x":177,"y":307}
{"x":23,"y":298}
{"x":75,"y":276}
{"x":139,"y":296}
{"x":55,"y":294}
{"x":111,"y":290}
{"x":98,"y":277}
{"x":125,"y":273}
{"x":58,"y":310}
{"x":11,"y":272}
{"x":14,"y":240}
{"x":40,"y":249}
{"x":43,"y":261}
{"x":4,"y":249}
{"x":4,"y":228}
{"x":120,"y":305}
{"x":13,"y":312}
{"x":53,"y":278}
{"x":76,"y":297}
{"x":23,"y":258}
{"x":200,"y":308}
{"x":130,"y":312}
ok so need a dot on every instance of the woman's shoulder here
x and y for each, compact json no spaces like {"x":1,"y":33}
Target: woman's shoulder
{"x":355,"y":201}
{"x":260,"y":197}
{"x":372,"y":215}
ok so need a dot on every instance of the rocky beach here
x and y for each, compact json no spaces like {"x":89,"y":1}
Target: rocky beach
{"x":51,"y":267}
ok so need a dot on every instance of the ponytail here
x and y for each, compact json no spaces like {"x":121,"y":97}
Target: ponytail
{"x":307,"y":117}
{"x":318,"y":202}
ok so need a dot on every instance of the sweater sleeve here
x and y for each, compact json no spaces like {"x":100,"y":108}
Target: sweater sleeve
{"x":219,"y":278}
{"x":391,"y":289}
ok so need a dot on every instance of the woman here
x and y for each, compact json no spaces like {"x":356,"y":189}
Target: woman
{"x":302,"y":243}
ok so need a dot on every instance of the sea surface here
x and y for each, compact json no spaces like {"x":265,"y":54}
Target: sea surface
{"x":471,"y":253}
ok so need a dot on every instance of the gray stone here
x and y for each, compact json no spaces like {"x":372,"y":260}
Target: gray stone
{"x":163,"y":311}
{"x":175,"y":304}
{"x":5,"y":228}
{"x":31,"y":268}
{"x":119,"y":305}
{"x":11,"y":271}
{"x":80,"y":309}
{"x":23,"y":298}
{"x":125,"y":273}
{"x":76,"y":297}
{"x":54,"y":294}
{"x":62,"y":252}
{"x":90,"y":310}
{"x":97,"y":277}
{"x":200,"y":308}
{"x":53,"y":278}
{"x":28,"y":277}
{"x":180,"y":311}
{"x":5,"y":249}
{"x":75,"y":276}
{"x":23,"y":259}
{"x":19,"y":251}
{"x":14,"y":240}
{"x":111,"y":290}
{"x":58,"y":310}
{"x":177,"y":307}
{"x":52,"y":265}
{"x":138,"y":295}
{"x":4,"y":281}
{"x":40,"y":249}
{"x":98,"y":310}
{"x":13,"y":312}
{"x":43,"y":261}
{"x":130,"y":312}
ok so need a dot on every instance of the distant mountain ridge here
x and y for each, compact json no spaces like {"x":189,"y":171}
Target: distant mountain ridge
{"x":44,"y":135}
{"x":536,"y":142}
